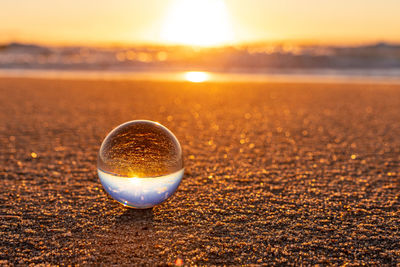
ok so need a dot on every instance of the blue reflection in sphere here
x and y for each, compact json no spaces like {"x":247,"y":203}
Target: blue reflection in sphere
{"x":140,"y":164}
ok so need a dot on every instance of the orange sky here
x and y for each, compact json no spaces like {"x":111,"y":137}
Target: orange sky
{"x":198,"y":22}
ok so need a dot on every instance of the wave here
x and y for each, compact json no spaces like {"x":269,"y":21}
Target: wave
{"x":250,"y":58}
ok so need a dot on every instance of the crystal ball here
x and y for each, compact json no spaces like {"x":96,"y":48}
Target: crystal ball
{"x":140,"y":164}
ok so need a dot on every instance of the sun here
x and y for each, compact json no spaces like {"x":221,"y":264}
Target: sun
{"x":197,"y":23}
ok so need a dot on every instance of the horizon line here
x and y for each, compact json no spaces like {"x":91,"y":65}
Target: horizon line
{"x":237,"y":44}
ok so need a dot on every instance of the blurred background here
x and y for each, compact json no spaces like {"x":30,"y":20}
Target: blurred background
{"x":201,"y":40}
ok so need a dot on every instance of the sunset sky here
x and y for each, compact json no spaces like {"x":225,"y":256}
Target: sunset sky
{"x":202,"y":22}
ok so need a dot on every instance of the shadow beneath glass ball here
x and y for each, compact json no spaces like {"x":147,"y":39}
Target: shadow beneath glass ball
{"x":130,"y":215}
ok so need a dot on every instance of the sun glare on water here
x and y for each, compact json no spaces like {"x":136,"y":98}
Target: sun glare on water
{"x":196,"y":76}
{"x":197,"y":23}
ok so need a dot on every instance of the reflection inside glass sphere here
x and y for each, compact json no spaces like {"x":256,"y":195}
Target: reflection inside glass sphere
{"x":140,"y":164}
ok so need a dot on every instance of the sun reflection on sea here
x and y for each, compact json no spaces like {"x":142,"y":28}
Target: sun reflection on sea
{"x":196,"y":76}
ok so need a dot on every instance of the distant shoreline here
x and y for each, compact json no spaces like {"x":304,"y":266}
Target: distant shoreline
{"x":391,"y":76}
{"x":379,"y":59}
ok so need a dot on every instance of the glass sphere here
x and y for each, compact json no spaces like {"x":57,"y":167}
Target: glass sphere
{"x":140,"y":164}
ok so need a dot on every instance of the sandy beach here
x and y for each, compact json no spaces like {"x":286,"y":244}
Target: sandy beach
{"x":276,"y":173}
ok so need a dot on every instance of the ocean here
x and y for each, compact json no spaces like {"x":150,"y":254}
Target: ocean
{"x":253,"y":63}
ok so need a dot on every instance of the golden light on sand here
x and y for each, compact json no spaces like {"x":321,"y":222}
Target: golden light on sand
{"x":196,"y":76}
{"x":198,"y":23}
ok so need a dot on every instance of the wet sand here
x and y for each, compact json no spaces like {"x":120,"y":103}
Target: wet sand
{"x":275,"y":173}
